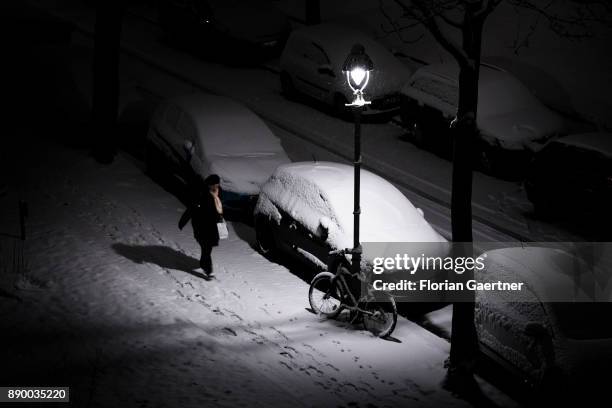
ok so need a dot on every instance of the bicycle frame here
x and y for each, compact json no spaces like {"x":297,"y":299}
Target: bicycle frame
{"x":344,"y":287}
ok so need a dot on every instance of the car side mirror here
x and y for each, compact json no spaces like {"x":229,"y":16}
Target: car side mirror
{"x":536,"y":330}
{"x":398,"y":53}
{"x":420,"y":212}
{"x":188,"y":146}
{"x":326,"y":70}
{"x":323,"y":229}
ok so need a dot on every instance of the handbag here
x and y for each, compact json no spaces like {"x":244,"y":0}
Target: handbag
{"x":222,"y":229}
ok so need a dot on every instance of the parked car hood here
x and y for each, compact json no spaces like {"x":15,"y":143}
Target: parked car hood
{"x":246,"y":173}
{"x":520,"y":129}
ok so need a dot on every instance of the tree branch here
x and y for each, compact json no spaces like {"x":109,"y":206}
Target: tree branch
{"x":488,"y":7}
{"x":396,"y":27}
{"x":421,"y":12}
{"x":575,"y":25}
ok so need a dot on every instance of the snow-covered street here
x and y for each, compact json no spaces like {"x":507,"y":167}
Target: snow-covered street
{"x":151,"y":68}
{"x":110,"y":305}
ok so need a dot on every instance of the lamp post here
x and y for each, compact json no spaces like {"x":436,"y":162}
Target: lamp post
{"x":357,"y":67}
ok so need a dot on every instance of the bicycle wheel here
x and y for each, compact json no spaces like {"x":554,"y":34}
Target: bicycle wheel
{"x":325,"y":299}
{"x":381,"y":315}
{"x":264,"y":238}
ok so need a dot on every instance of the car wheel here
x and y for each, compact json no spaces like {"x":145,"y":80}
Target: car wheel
{"x":287,"y":86}
{"x":153,"y":160}
{"x":538,"y":193}
{"x":488,"y":158}
{"x":417,"y":134}
{"x":501,"y":163}
{"x":543,"y":207}
{"x":411,"y":122}
{"x":264,"y":237}
{"x":339,"y":106}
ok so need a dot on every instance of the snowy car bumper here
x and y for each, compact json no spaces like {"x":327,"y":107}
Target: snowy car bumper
{"x":238,"y":202}
{"x":386,"y":103}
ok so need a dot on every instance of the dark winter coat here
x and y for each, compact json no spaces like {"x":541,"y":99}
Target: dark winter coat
{"x":204,"y":217}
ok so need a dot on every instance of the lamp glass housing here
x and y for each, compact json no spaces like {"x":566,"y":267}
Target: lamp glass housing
{"x":357,"y":68}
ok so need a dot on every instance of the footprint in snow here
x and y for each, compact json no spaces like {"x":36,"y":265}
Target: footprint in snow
{"x":230,"y":331}
{"x":286,"y":365}
{"x":315,"y":369}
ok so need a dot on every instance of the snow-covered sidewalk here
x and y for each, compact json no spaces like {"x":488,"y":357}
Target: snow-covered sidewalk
{"x":109,"y":305}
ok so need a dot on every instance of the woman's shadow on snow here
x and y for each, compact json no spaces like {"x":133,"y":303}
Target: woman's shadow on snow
{"x":163,"y":256}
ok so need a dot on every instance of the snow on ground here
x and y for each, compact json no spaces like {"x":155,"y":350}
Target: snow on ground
{"x":110,"y":305}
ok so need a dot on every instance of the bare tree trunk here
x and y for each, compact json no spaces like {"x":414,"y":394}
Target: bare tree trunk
{"x":109,"y":15}
{"x":313,"y":12}
{"x":464,"y":341}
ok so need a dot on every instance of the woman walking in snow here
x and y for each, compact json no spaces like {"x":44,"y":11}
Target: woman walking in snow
{"x":205,"y":212}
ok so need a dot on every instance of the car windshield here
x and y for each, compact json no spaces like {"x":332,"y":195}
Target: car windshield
{"x":500,"y":93}
{"x":235,"y":132}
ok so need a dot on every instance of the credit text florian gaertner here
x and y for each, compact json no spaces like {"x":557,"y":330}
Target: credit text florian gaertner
{"x":457,"y":265}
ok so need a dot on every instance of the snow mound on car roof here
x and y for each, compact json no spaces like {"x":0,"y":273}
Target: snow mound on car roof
{"x":226,"y":127}
{"x":508,"y":113}
{"x":321,"y":195}
{"x":236,"y":144}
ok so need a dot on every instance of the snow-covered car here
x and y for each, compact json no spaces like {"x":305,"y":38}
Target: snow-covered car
{"x":311,"y":64}
{"x":573,"y":173}
{"x":201,"y":134}
{"x":551,"y":331}
{"x":306,"y":209}
{"x":512,"y":121}
{"x":238,"y":29}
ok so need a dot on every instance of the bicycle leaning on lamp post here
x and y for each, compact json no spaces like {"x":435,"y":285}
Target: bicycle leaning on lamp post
{"x":330,"y":293}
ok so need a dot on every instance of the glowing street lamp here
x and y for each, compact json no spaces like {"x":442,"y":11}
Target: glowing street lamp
{"x":357,"y":67}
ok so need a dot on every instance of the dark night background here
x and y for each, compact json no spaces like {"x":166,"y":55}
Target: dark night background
{"x":99,"y":289}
